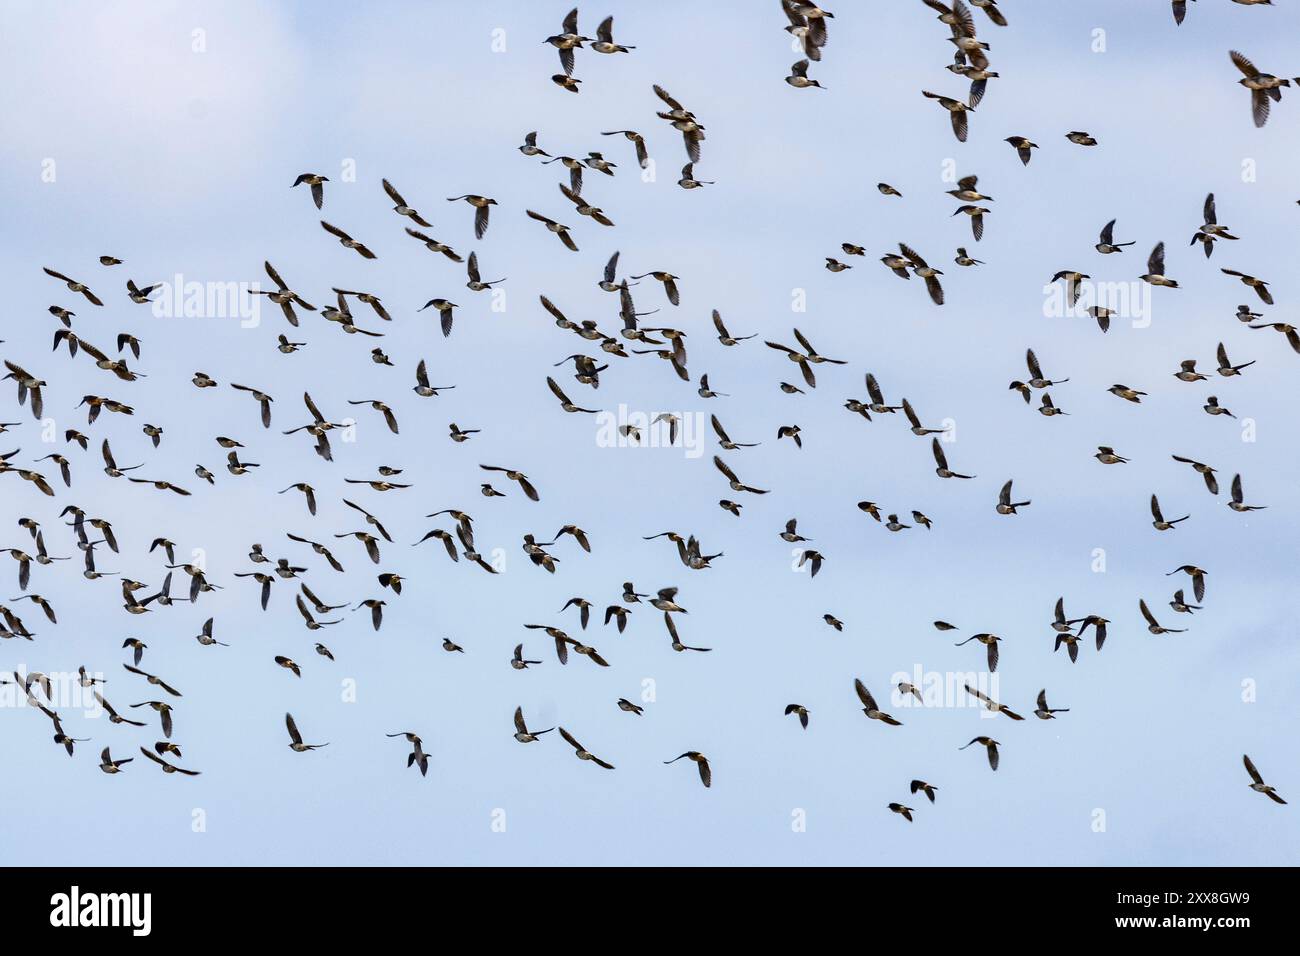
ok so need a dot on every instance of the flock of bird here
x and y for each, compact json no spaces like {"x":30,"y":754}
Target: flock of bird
{"x":313,"y":558}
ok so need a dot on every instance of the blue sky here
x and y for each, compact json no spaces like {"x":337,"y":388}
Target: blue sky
{"x":180,"y":162}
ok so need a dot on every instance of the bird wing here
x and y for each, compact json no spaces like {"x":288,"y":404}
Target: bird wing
{"x":1146,"y":613}
{"x":864,"y":695}
{"x":1250,"y":769}
{"x":1240,"y":62}
{"x":1156,"y":261}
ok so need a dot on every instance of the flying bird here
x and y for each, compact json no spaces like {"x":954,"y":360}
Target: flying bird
{"x":1257,"y":782}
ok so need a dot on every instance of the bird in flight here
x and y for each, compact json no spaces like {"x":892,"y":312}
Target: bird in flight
{"x":160,"y":384}
{"x":1257,"y":782}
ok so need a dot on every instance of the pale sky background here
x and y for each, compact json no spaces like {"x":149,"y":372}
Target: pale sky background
{"x":180,"y":162}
